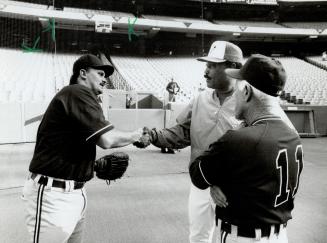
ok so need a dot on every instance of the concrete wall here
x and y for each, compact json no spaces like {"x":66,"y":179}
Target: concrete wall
{"x":19,"y":122}
{"x":299,"y":116}
{"x":131,"y":119}
{"x":32,"y":117}
{"x":11,"y":123}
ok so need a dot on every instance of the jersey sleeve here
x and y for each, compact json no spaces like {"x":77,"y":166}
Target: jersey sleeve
{"x":209,"y":168}
{"x":178,"y":136}
{"x":186,"y":114}
{"x":83,"y":107}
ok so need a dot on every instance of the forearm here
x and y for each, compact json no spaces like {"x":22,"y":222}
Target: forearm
{"x":115,"y":139}
{"x":176,"y":137}
{"x":123,"y":139}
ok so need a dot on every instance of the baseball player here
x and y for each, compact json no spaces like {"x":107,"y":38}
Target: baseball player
{"x":257,"y":167}
{"x":172,"y":89}
{"x":65,"y":149}
{"x":204,"y":120}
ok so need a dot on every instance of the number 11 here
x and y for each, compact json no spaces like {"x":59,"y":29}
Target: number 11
{"x":282,"y":166}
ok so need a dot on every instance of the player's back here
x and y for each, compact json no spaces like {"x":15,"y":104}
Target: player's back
{"x":264,"y":168}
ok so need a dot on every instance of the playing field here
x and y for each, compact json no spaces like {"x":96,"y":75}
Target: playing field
{"x":149,"y":205}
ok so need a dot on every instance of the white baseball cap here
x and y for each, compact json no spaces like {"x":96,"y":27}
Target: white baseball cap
{"x":222,"y":51}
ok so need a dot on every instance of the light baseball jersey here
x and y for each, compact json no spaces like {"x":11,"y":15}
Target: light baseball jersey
{"x":201,"y":123}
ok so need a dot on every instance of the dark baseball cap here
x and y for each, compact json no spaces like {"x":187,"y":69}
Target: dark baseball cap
{"x":92,"y":61}
{"x":264,"y":73}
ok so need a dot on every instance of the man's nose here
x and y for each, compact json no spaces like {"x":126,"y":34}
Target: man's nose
{"x":103,"y":82}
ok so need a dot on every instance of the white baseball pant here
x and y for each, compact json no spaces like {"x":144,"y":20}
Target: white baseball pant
{"x":201,"y":211}
{"x":54,"y":215}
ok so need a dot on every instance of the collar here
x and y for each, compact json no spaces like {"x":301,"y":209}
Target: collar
{"x":272,"y":118}
{"x":216,"y":97}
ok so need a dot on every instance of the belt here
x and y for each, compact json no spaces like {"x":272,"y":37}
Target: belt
{"x":249,"y":232}
{"x":55,"y":183}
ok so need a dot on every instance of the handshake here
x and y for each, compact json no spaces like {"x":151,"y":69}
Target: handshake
{"x":148,"y":136}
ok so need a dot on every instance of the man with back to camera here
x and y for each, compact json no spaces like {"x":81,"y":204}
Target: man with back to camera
{"x":257,"y":167}
{"x":64,"y":155}
{"x":205,"y":119}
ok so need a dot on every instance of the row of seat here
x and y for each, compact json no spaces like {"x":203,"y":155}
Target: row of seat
{"x":41,"y":75}
{"x":306,"y":83}
{"x":154,"y":73}
{"x":319,"y":61}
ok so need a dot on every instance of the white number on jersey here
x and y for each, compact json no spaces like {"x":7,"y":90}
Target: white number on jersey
{"x":282,"y":166}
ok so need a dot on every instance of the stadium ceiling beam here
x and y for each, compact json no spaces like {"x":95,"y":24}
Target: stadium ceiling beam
{"x":150,"y":27}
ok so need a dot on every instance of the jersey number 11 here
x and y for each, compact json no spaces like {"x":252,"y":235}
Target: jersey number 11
{"x":282,"y":166}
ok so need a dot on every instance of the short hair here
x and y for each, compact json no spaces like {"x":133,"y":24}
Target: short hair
{"x":73,"y":79}
{"x":229,"y":64}
{"x":238,"y":65}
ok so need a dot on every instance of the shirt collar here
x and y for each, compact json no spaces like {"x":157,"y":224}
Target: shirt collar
{"x":216,"y":98}
{"x":272,"y":118}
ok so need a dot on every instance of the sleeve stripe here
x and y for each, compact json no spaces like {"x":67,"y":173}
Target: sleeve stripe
{"x":109,"y":127}
{"x":203,"y":174}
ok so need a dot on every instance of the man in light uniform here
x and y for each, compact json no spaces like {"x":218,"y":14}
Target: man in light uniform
{"x":202,"y":122}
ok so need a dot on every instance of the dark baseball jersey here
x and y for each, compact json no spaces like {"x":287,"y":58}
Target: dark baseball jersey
{"x":66,"y":138}
{"x":258,"y":168}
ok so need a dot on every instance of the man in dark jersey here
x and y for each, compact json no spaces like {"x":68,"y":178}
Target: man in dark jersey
{"x":258,"y":166}
{"x":64,"y":155}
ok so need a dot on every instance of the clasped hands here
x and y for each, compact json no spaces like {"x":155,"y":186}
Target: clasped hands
{"x":145,"y":139}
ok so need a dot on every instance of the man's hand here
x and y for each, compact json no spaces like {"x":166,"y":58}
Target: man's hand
{"x":218,"y":197}
{"x":145,"y":140}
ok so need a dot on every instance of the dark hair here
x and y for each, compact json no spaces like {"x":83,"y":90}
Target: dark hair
{"x":238,"y":65}
{"x":73,"y":78}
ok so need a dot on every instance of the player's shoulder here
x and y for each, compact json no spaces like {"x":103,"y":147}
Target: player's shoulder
{"x":204,"y":96}
{"x":76,"y":90}
{"x":235,"y":140}
{"x":242,"y":136}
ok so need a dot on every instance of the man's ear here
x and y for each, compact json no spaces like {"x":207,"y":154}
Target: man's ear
{"x":233,"y":65}
{"x":82,"y":73}
{"x":248,"y":92}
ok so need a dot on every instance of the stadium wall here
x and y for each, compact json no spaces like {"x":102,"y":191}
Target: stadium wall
{"x":308,"y":119}
{"x":20,"y":121}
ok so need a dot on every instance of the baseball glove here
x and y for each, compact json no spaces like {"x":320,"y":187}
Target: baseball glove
{"x":112,"y":166}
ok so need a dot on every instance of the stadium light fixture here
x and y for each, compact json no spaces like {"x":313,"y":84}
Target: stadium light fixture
{"x":236,"y":34}
{"x":313,"y":36}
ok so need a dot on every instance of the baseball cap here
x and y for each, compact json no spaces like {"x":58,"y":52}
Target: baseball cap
{"x":221,"y":51}
{"x":264,"y":73}
{"x":92,"y":61}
